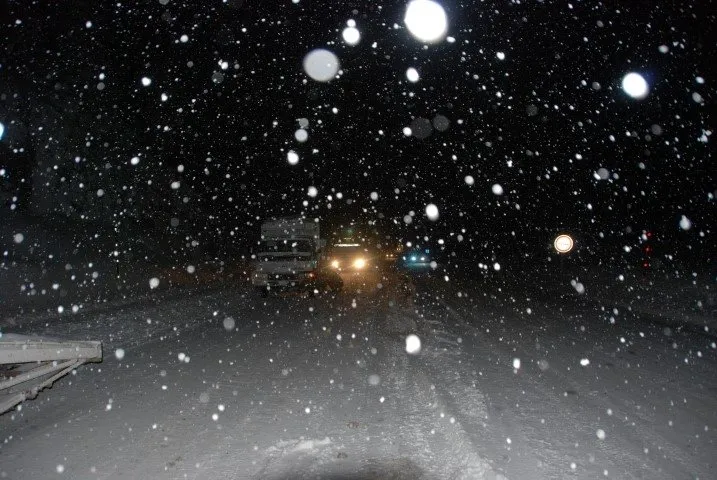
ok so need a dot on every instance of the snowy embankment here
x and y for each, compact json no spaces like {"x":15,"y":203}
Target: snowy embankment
{"x":675,"y":300}
{"x":48,"y":270}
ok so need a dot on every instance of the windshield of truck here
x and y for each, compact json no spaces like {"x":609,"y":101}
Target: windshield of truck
{"x":525,"y":191}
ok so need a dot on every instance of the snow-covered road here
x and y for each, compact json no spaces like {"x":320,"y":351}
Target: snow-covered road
{"x":224,"y":384}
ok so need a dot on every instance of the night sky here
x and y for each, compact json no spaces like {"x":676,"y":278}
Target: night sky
{"x":549,"y":122}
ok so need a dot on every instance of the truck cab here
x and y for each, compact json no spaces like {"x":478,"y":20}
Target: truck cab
{"x":288,"y":254}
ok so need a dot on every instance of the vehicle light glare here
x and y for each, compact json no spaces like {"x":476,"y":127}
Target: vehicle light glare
{"x":563,"y":243}
{"x":359,"y":263}
{"x":335,"y":263}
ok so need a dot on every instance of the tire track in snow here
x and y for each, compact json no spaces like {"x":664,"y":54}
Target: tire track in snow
{"x":627,"y":437}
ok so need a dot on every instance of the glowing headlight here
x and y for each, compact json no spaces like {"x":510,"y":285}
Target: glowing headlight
{"x":335,"y":263}
{"x":359,"y":263}
{"x":413,"y":259}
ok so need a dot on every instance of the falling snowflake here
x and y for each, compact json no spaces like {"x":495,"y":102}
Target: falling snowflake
{"x":413,"y":344}
{"x":292,"y":157}
{"x":432,"y":212}
{"x":229,"y":324}
{"x":412,"y":75}
{"x":426,"y":20}
{"x":635,"y":86}
{"x":685,"y":223}
{"x":321,"y":65}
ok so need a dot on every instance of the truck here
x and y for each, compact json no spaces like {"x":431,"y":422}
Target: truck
{"x":288,"y":255}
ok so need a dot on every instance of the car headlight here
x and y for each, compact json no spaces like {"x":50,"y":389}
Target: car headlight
{"x":413,"y":259}
{"x":335,"y":263}
{"x":359,"y":263}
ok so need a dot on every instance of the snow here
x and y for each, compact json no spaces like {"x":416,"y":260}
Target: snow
{"x":366,"y":404}
{"x":497,"y":189}
{"x":229,"y":324}
{"x":413,"y":344}
{"x":432,"y":212}
{"x":321,"y":65}
{"x":292,"y":157}
{"x":146,"y":81}
{"x":635,"y":86}
{"x":426,"y":20}
{"x":685,"y":223}
{"x":412,"y":75}
{"x":301,"y":135}
{"x":351,"y":35}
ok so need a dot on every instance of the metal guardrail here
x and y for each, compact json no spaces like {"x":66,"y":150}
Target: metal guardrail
{"x":29,"y":364}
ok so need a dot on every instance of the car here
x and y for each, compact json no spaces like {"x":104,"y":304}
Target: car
{"x":417,"y":259}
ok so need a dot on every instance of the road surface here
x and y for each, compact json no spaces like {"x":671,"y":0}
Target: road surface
{"x":220,"y":383}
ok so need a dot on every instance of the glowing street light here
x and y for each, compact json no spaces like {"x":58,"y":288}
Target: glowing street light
{"x":563,"y":243}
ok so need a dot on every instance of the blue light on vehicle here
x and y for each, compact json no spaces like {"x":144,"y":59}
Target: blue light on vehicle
{"x":2,"y":130}
{"x":413,"y":259}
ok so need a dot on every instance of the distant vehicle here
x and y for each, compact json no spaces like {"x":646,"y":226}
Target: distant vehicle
{"x":652,"y":255}
{"x":350,"y":256}
{"x":288,"y":256}
{"x":391,"y":254}
{"x":416,"y":258}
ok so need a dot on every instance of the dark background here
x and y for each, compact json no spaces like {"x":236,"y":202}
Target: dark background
{"x":559,"y":91}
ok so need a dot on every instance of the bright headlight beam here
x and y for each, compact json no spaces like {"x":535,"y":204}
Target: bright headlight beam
{"x":359,"y":263}
{"x":426,"y":20}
